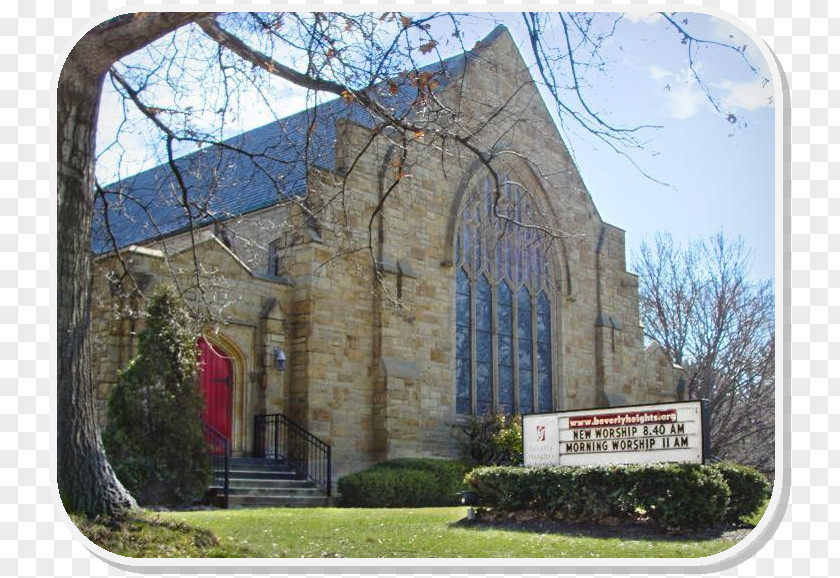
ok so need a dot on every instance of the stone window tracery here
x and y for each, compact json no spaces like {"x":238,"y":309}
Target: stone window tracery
{"x":503,"y":304}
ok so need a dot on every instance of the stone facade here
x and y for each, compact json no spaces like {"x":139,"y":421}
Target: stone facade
{"x":371,"y":349}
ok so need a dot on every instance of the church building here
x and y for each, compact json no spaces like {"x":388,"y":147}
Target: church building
{"x":378,"y":291}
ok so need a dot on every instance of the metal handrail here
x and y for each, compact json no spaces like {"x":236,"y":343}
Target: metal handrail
{"x":219,"y":450}
{"x":279,"y":438}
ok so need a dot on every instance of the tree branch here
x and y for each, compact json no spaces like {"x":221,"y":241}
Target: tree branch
{"x":118,"y":37}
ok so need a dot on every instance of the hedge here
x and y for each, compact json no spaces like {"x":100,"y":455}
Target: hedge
{"x":748,"y":486}
{"x":564,"y":493}
{"x":675,"y":496}
{"x":404,"y":483}
{"x":681,"y":496}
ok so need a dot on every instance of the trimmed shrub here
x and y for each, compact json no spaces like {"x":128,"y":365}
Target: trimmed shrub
{"x":676,"y":496}
{"x":505,"y":488}
{"x":602,"y":492}
{"x":404,"y":483}
{"x":566,"y":493}
{"x":681,"y":496}
{"x":749,"y":488}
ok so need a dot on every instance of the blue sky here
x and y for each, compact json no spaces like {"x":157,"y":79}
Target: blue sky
{"x":720,"y":176}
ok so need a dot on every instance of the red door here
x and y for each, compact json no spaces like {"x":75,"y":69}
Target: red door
{"x":216,"y":377}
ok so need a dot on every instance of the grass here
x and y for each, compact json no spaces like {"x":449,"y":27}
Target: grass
{"x":419,"y":533}
{"x":377,"y":533}
{"x":144,"y":535}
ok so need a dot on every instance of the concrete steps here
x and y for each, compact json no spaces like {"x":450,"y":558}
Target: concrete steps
{"x":257,"y":482}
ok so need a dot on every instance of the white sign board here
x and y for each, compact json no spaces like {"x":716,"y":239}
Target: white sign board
{"x":669,"y":432}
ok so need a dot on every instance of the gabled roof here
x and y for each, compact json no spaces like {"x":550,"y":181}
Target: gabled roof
{"x":222,"y":182}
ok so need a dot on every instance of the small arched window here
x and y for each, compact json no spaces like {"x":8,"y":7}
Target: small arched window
{"x":503,"y":286}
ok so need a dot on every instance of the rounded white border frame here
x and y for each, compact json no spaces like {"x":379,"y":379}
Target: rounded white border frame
{"x":755,"y":540}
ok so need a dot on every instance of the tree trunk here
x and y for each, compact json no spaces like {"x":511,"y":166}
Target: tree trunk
{"x":86,"y":481}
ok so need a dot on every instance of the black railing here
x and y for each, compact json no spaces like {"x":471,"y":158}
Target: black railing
{"x":277,"y":437}
{"x":219,"y":451}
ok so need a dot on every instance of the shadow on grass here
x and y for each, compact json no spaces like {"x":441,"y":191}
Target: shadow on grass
{"x":623,"y":529}
{"x":143,"y":535}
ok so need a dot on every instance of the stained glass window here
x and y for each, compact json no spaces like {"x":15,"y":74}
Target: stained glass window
{"x":504,"y":354}
{"x":525,"y":355}
{"x":504,"y":329}
{"x":463,"y":340}
{"x":543,"y":353}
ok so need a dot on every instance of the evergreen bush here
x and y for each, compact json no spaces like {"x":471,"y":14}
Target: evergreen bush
{"x":675,"y":496}
{"x":493,"y":440}
{"x":749,"y":488}
{"x":567,"y":493}
{"x":681,"y":496}
{"x":404,"y":483}
{"x":154,"y":437}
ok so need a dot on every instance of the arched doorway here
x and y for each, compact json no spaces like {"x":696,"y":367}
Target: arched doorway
{"x":216,"y":379}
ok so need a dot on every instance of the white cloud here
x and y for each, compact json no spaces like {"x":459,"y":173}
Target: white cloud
{"x":658,"y":73}
{"x":684,"y":101}
{"x":643,"y":17}
{"x":747,"y":96}
{"x":683,"y":98}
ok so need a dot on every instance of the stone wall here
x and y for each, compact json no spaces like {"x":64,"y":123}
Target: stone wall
{"x":248,"y":321}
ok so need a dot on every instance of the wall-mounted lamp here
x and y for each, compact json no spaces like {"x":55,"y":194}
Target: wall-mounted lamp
{"x":280,"y":359}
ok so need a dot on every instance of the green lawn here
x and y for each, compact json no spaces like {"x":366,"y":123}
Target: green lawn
{"x":414,"y":533}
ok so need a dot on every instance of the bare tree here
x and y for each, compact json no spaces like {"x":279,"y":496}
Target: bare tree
{"x":363,"y":59}
{"x":700,"y":304}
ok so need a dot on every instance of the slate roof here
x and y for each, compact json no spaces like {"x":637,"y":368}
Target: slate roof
{"x":223,"y":183}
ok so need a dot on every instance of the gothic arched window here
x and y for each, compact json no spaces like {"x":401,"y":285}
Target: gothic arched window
{"x":503,"y":305}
